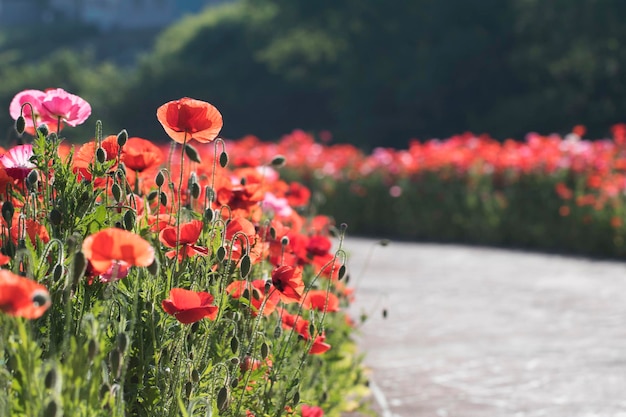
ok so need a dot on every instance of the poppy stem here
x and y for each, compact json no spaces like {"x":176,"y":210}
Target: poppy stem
{"x":179,"y":195}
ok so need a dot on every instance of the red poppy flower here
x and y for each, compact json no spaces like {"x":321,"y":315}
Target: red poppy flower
{"x":112,"y":245}
{"x":22,"y":297}
{"x":319,"y":345}
{"x":288,"y":280}
{"x":188,"y":118}
{"x":294,"y":322}
{"x":321,"y":300}
{"x":311,"y":411}
{"x":257,"y":295}
{"x":189,"y":234}
{"x":140,"y":154}
{"x":189,"y":306}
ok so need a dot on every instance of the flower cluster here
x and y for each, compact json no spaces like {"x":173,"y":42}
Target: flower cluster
{"x":174,"y":281}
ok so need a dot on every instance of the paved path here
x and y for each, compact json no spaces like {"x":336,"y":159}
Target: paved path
{"x":474,"y":332}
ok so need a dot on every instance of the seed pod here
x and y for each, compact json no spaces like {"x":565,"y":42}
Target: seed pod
{"x":192,"y":153}
{"x":20,"y":125}
{"x":223,"y":159}
{"x":122,"y":137}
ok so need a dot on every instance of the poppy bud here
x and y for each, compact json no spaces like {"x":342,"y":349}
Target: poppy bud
{"x":234,"y":344}
{"x":32,"y":179}
{"x":343,"y":227}
{"x":53,"y":137}
{"x":52,"y":409}
{"x":234,"y":382}
{"x":384,"y":313}
{"x":79,"y":265}
{"x":50,"y":380}
{"x":159,"y":179}
{"x":195,"y":190}
{"x":210,"y":194}
{"x":296,"y":398}
{"x":342,"y":272}
{"x":129,"y":220}
{"x":244,"y":267}
{"x":55,"y":216}
{"x":265,"y":350}
{"x":267,"y":287}
{"x":122,"y":137}
{"x":116,"y":190}
{"x":324,"y":397}
{"x":272,"y":233}
{"x":115,"y":361}
{"x":195,"y":327}
{"x":278,"y":161}
{"x":208,"y":215}
{"x":284,"y":241}
{"x":163,"y":198}
{"x":92,"y":349}
{"x":192,"y":154}
{"x":101,"y":155}
{"x":43,"y":130}
{"x":234,"y":361}
{"x":188,"y":388}
{"x":122,"y":342}
{"x":20,"y":125}
{"x":195,"y":376}
{"x":152,"y":195}
{"x":222,"y":399}
{"x":7,"y":212}
{"x":221,"y":253}
{"x":57,"y":272}
{"x":277,"y":332}
{"x":223,"y":159}
{"x":384,"y":242}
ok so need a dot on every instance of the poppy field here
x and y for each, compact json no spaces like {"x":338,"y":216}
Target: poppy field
{"x":557,"y":193}
{"x":142,"y":280}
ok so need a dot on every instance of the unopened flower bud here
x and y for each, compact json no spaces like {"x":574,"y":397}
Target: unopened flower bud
{"x":223,"y":159}
{"x":122,"y":137}
{"x":101,"y":155}
{"x":43,"y":130}
{"x":159,"y":179}
{"x":278,"y":161}
{"x":192,"y":153}
{"x":7,"y":212}
{"x":20,"y":125}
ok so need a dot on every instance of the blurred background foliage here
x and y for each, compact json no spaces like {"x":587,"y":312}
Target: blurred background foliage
{"x":374,"y":73}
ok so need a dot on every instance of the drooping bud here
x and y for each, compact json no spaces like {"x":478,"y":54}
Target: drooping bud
{"x":278,"y":161}
{"x":55,"y":216}
{"x":7,"y":212}
{"x":101,"y":155}
{"x":116,"y":190}
{"x":192,"y":153}
{"x":20,"y":125}
{"x":223,"y":159}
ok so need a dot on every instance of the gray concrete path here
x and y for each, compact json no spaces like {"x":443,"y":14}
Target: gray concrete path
{"x":475,"y":332}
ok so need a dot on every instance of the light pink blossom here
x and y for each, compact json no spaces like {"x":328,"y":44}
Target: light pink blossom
{"x":35,"y":98}
{"x":16,"y":161}
{"x":70,"y":108}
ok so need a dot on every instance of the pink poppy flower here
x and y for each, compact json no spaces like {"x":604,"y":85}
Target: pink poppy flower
{"x":34,"y":97}
{"x":70,"y":108}
{"x":16,"y":161}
